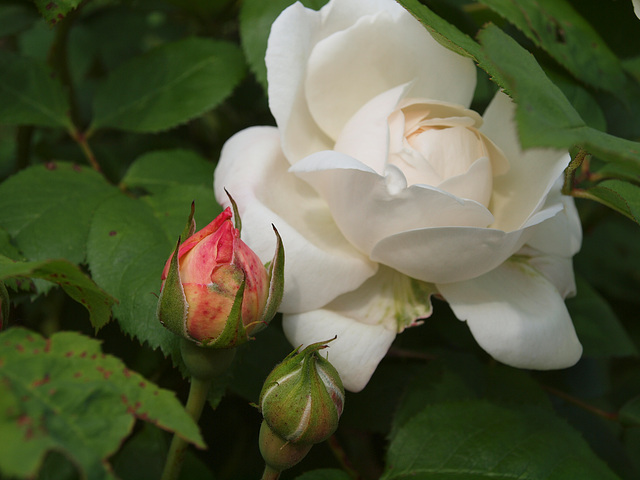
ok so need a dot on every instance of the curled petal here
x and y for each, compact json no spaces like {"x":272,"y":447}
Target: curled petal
{"x":290,"y":43}
{"x":380,"y":51}
{"x":517,"y":316}
{"x":522,"y":190}
{"x":320,"y":263}
{"x":355,"y":192}
{"x":452,"y":254}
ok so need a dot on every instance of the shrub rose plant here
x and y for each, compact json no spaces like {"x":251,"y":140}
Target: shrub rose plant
{"x":388,"y":189}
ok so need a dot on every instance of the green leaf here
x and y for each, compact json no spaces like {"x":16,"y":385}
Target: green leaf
{"x":171,"y":207}
{"x":127,"y":249}
{"x":478,"y":440}
{"x":64,"y":394}
{"x":168,"y":86}
{"x":256,"y":18}
{"x":47,"y":209}
{"x":557,"y":28}
{"x":598,"y":327}
{"x":621,"y":196}
{"x":55,"y":10}
{"x":155,"y":171}
{"x":176,"y":178}
{"x":545,"y":116}
{"x":610,"y":259}
{"x":30,"y":96}
{"x":15,"y":18}
{"x":324,"y":474}
{"x":77,"y":285}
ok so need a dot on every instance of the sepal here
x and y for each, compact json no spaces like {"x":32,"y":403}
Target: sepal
{"x":172,"y":304}
{"x":275,"y":270}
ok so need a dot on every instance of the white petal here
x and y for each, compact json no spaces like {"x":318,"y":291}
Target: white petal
{"x":562,"y":234}
{"x":558,"y":270}
{"x":636,"y":7}
{"x":474,"y":184}
{"x":320,"y":264}
{"x":355,"y":353}
{"x":375,"y":54}
{"x":520,"y":192}
{"x":366,"y":135}
{"x":517,"y":316}
{"x":365,"y":210}
{"x":292,"y":38}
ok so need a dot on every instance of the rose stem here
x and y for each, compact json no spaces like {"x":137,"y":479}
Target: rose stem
{"x":195,"y":403}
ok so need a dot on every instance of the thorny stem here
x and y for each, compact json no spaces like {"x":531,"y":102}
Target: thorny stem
{"x":195,"y":403}
{"x":585,"y":406}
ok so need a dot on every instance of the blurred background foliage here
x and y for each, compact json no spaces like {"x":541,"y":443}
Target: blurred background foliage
{"x":112,"y":116}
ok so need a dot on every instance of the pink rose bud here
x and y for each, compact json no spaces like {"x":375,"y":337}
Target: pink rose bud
{"x":215,"y":290}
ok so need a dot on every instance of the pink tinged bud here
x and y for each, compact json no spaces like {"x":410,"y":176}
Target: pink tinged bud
{"x":215,"y":289}
{"x":303,"y":397}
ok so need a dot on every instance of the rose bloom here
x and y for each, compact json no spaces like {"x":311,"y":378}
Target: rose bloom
{"x":388,"y":189}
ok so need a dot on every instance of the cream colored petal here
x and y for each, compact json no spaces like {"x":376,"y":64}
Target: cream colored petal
{"x":375,"y":54}
{"x":367,"y":210}
{"x":521,"y":191}
{"x":293,"y":36}
{"x":517,"y":316}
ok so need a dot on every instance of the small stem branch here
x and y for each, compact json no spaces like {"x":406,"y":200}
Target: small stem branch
{"x":585,"y":406}
{"x":195,"y":403}
{"x":570,"y":171}
{"x":270,"y":473}
{"x":81,"y":139}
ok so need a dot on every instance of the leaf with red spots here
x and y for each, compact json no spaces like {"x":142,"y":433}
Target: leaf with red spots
{"x":77,"y":285}
{"x":54,"y":11}
{"x":64,"y":394}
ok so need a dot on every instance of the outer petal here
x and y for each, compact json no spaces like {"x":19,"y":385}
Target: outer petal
{"x":292,"y":38}
{"x":366,"y":210}
{"x":320,"y":264}
{"x":355,"y":353}
{"x":522,"y":191}
{"x":517,"y":316}
{"x":562,"y":234}
{"x":375,"y":54}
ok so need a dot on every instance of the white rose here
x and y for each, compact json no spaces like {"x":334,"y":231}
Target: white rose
{"x":386,"y":188}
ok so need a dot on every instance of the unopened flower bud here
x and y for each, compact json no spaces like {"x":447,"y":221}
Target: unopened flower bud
{"x":303,"y":397}
{"x":215,"y":290}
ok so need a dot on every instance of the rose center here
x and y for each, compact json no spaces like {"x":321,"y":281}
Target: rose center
{"x":439,"y":145}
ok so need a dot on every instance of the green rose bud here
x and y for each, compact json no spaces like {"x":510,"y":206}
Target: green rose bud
{"x":303,"y":397}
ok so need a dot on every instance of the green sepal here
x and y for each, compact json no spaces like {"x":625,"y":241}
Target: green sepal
{"x":190,"y":227}
{"x":172,"y":303}
{"x":234,"y":333}
{"x":237,"y":222}
{"x":4,"y":305}
{"x":275,"y":270}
